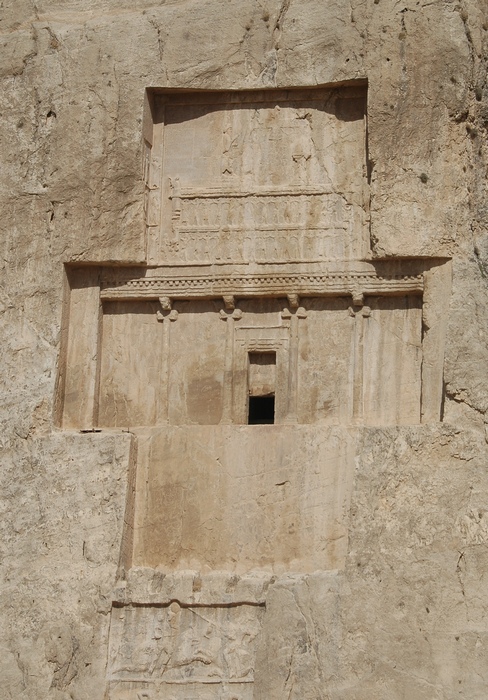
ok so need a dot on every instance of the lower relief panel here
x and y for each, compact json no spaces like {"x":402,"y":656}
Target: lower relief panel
{"x":183,"y":653}
{"x":188,"y":691}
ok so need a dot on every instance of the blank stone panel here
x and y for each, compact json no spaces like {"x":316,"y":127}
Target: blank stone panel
{"x":196,"y":357}
{"x":79,"y":364}
{"x":189,"y":149}
{"x":131,"y":361}
{"x":392,"y":361}
{"x":238,"y":498}
{"x":325,"y":358}
{"x":262,"y":312}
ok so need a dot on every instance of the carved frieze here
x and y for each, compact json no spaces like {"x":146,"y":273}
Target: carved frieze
{"x":181,"y":652}
{"x":274,"y":225}
{"x":313,"y":281}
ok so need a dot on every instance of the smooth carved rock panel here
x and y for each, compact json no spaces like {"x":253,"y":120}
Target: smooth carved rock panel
{"x":79,"y":380}
{"x":270,"y":176}
{"x":325,"y":365}
{"x":230,"y":498}
{"x":131,"y":364}
{"x":392,"y":358}
{"x":196,"y":353}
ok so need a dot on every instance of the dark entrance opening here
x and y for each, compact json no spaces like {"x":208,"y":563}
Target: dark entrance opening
{"x":261,"y":410}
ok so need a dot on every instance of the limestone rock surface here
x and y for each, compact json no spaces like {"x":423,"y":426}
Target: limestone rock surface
{"x":131,"y":564}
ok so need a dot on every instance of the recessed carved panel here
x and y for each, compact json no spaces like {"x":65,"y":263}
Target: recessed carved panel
{"x":173,"y":652}
{"x":143,"y":348}
{"x":392,"y":359}
{"x":271,"y":176}
{"x":130,"y":364}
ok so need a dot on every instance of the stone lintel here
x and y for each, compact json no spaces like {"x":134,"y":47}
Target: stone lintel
{"x":199,"y":282}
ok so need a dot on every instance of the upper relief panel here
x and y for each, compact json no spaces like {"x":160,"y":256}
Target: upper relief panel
{"x":266,"y":177}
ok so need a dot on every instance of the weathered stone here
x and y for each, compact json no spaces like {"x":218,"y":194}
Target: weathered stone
{"x":222,"y":214}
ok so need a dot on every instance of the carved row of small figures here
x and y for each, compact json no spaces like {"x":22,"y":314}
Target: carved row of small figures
{"x":300,"y":212}
{"x":276,"y":245}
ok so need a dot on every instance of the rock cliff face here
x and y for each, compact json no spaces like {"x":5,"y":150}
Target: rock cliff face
{"x":217,"y":214}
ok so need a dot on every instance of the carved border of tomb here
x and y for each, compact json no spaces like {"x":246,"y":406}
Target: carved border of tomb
{"x":87,"y":286}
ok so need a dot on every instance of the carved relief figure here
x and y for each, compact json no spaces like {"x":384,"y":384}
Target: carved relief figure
{"x":183,"y":644}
